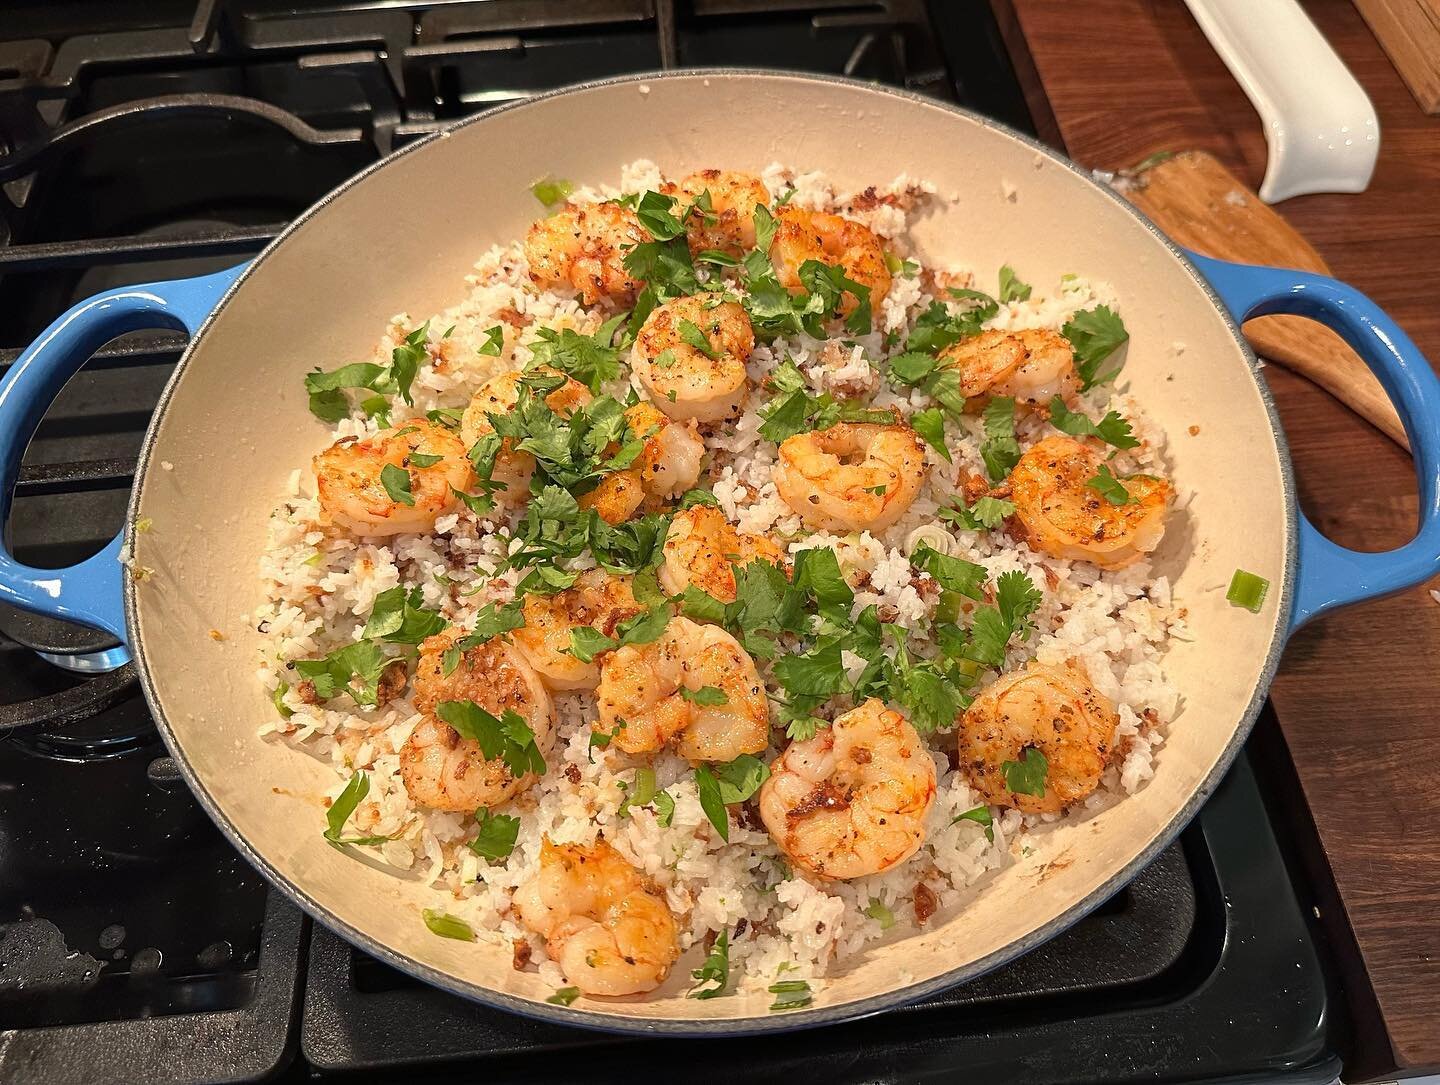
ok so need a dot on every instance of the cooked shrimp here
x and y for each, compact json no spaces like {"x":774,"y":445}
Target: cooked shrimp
{"x":604,"y":923}
{"x":700,"y":548}
{"x":350,"y":478}
{"x":668,"y":465}
{"x":596,"y":599}
{"x":446,"y":772}
{"x":1051,"y":709}
{"x":584,"y":248}
{"x":729,"y":225}
{"x":499,"y":395}
{"x":1034,"y":365}
{"x":854,"y":476}
{"x":852,"y":800}
{"x":684,"y":380}
{"x":642,"y":686}
{"x":814,"y":235}
{"x":1066,"y":518}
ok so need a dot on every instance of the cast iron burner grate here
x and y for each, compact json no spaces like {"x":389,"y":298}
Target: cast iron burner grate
{"x":176,"y":139}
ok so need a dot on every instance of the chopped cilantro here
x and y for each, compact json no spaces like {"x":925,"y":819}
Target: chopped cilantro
{"x":1026,"y":776}
{"x":497,"y":835}
{"x":987,"y":513}
{"x":692,"y":335}
{"x":1110,"y":488}
{"x":1011,"y":288}
{"x":1000,"y":450}
{"x":705,"y":695}
{"x":980,"y":815}
{"x":590,"y":359}
{"x":715,"y":970}
{"x":344,"y":805}
{"x":1094,"y":335}
{"x":398,"y":617}
{"x":1112,"y":429}
{"x":664,"y":809}
{"x":691,"y":498}
{"x":930,"y":424}
{"x":508,"y":738}
{"x":494,"y":341}
{"x":337,"y":673}
{"x":396,"y":481}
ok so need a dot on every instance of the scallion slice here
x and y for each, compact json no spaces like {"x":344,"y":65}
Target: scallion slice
{"x":1247,"y":590}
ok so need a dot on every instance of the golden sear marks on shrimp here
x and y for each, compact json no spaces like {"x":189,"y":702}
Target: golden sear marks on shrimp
{"x":444,"y":771}
{"x":350,"y":479}
{"x":729,"y":225}
{"x":640,"y":687}
{"x":854,"y":476}
{"x":596,"y":599}
{"x":498,"y":396}
{"x":583,"y":248}
{"x":802,"y":235}
{"x":702,"y":548}
{"x":604,"y":923}
{"x":1033,"y":366}
{"x":668,"y":465}
{"x":1066,"y":518}
{"x":684,"y":381}
{"x":852,"y":800}
{"x":1051,"y":709}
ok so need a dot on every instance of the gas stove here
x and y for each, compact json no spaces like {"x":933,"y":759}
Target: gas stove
{"x":142,"y":142}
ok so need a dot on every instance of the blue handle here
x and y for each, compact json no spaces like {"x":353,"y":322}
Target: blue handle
{"x":90,"y":592}
{"x":1329,"y":575}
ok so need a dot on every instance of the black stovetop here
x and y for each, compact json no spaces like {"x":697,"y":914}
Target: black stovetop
{"x":151,"y":141}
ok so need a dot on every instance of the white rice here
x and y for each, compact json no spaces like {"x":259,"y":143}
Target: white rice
{"x":321,"y":585}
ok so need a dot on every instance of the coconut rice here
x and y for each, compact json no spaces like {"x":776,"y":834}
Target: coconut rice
{"x":321,"y":584}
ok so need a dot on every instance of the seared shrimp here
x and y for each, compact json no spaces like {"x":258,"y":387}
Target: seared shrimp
{"x":499,"y":395}
{"x":1051,"y":709}
{"x":702,"y":546}
{"x":446,"y":772}
{"x":668,"y":466}
{"x":641,"y":686}
{"x":1066,"y":518}
{"x":1034,"y":365}
{"x":596,"y":599}
{"x":852,"y":800}
{"x":729,"y":225}
{"x":604,"y":923}
{"x":854,"y":476}
{"x":684,"y":380}
{"x":584,"y":248}
{"x":351,"y":479}
{"x":814,"y":235}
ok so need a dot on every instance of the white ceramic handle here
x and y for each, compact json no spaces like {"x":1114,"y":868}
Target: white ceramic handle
{"x":1321,"y":129}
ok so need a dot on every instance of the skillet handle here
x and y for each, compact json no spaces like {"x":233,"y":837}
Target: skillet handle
{"x":91,"y":592}
{"x":1328,"y":575}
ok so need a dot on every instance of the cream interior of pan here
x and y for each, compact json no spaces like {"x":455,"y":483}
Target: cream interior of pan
{"x":403,"y":237}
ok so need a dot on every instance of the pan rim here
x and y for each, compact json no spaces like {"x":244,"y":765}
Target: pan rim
{"x":796,"y":1020}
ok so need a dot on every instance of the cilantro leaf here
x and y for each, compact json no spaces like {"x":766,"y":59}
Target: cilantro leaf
{"x":1000,"y":450}
{"x":1011,"y":288}
{"x":1017,"y":597}
{"x":336,"y":673}
{"x":1094,"y":334}
{"x":716,"y":969}
{"x":396,"y":481}
{"x":816,"y":673}
{"x":764,"y":227}
{"x":1112,"y":429}
{"x":691,"y":498}
{"x":690,"y":332}
{"x":704,"y":696}
{"x":980,"y":815}
{"x":952,"y":574}
{"x":930,"y":424}
{"x":494,"y":342}
{"x":656,"y":213}
{"x":589,"y":359}
{"x":586,"y":643}
{"x":398,"y":617}
{"x":1110,"y":488}
{"x":493,"y":620}
{"x":1026,"y":776}
{"x":496,"y":837}
{"x":508,"y":738}
{"x":664,"y":806}
{"x":988,"y":513}
{"x":710,"y":801}
{"x":738,"y":780}
{"x":344,"y":805}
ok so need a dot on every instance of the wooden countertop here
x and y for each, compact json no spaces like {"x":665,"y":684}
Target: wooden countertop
{"x":1358,"y":691}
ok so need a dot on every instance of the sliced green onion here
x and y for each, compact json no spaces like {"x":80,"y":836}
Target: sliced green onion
{"x":564,"y":996}
{"x":1247,"y":590}
{"x":448,"y":926}
{"x":277,"y":698}
{"x":879,"y":911}
{"x":551,"y":190}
